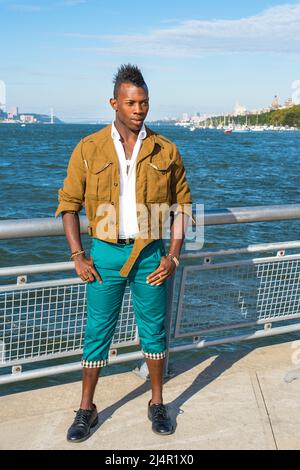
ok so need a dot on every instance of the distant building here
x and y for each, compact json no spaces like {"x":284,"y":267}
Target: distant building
{"x":28,"y":118}
{"x":289,"y":103}
{"x":185,"y":117}
{"x":239,"y":110}
{"x":13,"y":112}
{"x":275,"y":102}
{"x":196,"y":119}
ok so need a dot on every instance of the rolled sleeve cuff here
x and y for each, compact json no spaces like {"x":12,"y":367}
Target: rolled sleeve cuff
{"x":67,"y":206}
{"x":184,"y":208}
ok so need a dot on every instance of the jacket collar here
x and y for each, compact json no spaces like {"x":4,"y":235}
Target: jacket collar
{"x":104,"y":142}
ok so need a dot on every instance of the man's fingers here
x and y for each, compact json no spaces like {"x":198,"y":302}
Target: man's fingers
{"x":155,"y":273}
{"x":87,"y":276}
{"x":160,"y":275}
{"x":96,"y":274}
{"x":157,"y":277}
{"x":159,"y":280}
{"x":90,"y":277}
{"x":88,"y":272}
{"x":94,"y":270}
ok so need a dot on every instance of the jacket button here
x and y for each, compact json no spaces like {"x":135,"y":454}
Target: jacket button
{"x":112,"y":203}
{"x":116,"y":184}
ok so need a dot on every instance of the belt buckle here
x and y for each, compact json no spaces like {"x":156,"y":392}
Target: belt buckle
{"x":126,"y":241}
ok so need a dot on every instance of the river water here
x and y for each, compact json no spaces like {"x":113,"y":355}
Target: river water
{"x":240,"y":169}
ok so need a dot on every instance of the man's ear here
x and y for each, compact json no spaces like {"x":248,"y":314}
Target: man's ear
{"x":113,"y":103}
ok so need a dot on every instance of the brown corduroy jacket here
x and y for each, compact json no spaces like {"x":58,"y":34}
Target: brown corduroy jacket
{"x":93,"y":181}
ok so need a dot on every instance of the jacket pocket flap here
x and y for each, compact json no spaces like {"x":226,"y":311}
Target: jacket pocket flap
{"x":161,"y":166}
{"x":97,"y":167}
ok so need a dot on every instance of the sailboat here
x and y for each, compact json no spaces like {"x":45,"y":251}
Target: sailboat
{"x":229,"y":129}
{"x":243,"y":127}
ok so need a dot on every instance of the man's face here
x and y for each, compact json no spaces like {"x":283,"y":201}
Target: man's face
{"x":131,"y":106}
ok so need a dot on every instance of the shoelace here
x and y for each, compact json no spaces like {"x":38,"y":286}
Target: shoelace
{"x":159,"y":412}
{"x":82,"y":417}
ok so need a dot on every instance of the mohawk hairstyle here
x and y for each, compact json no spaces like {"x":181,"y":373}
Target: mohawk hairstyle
{"x":128,"y":73}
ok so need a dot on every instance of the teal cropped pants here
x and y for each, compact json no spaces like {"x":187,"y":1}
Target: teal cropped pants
{"x":104,"y":301}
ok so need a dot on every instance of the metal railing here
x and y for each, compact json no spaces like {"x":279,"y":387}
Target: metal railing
{"x":212,"y":296}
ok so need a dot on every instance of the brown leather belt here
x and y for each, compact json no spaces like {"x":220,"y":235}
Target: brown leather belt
{"x":126,"y":241}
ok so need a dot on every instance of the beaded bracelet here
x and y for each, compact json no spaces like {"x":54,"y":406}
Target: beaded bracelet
{"x":76,"y":253}
{"x":173,"y":258}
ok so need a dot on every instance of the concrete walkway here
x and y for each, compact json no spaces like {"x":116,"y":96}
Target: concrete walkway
{"x":241,"y":400}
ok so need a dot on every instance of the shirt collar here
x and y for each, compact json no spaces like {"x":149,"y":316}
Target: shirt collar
{"x":116,"y":136}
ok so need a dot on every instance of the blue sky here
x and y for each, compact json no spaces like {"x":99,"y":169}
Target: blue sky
{"x":196,"y":56}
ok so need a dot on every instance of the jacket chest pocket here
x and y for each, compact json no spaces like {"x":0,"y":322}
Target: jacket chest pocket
{"x":158,"y":181}
{"x":99,"y":181}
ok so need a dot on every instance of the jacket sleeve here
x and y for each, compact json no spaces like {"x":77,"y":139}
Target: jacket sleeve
{"x":181,"y":194}
{"x":71,"y":196}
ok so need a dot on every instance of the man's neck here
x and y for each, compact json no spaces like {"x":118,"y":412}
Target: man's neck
{"x":125,"y":133}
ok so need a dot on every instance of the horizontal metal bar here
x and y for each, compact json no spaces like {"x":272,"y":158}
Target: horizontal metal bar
{"x":244,"y":262}
{"x":65,"y":368}
{"x":65,"y":354}
{"x":69,"y":266}
{"x":45,"y":227}
{"x":37,"y":285}
{"x":37,"y":269}
{"x":241,"y":215}
{"x":236,"y":339}
{"x":46,"y":357}
{"x":260,"y":247}
{"x":62,"y":369}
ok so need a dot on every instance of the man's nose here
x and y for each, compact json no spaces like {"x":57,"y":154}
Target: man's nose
{"x":138,"y":109}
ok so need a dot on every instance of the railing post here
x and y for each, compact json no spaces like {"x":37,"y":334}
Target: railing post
{"x":170,"y":293}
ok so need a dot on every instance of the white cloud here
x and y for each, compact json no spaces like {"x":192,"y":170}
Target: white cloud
{"x":275,"y":30}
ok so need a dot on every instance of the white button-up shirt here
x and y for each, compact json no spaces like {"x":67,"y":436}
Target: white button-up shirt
{"x":128,"y":224}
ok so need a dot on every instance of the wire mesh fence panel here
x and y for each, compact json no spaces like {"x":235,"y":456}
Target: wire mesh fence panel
{"x":240,"y":294}
{"x":46,"y":322}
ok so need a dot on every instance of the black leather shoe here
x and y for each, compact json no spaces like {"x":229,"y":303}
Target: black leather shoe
{"x":82,"y":424}
{"x":161,"y":423}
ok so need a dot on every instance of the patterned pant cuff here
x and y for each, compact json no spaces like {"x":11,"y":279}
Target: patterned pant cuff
{"x":93,"y":364}
{"x":157,"y":356}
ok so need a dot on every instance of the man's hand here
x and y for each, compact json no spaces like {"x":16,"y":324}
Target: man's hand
{"x":161,"y":274}
{"x":85,"y":269}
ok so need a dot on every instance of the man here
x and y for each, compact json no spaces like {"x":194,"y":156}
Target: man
{"x":124,"y":174}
